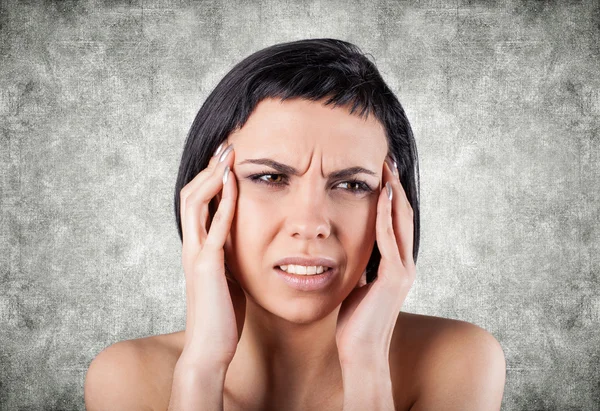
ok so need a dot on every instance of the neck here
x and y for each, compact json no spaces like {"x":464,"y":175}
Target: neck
{"x":296,"y":362}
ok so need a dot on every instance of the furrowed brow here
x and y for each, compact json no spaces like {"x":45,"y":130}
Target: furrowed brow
{"x":284,"y":168}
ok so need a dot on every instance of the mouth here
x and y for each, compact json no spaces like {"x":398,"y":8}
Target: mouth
{"x":307,"y":282}
{"x":303,"y":270}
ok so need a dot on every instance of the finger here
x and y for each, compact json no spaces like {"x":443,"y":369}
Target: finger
{"x":221,"y":223}
{"x":198,"y":180}
{"x":402,"y":217}
{"x":196,"y":205}
{"x":384,"y":229}
{"x":205,"y":173}
{"x":216,"y":157}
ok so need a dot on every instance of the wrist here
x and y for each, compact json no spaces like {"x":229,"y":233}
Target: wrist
{"x":197,"y":355}
{"x":370,"y":359}
{"x":197,"y":386}
{"x":379,"y":370}
{"x":367,"y":385}
{"x":194,"y":367}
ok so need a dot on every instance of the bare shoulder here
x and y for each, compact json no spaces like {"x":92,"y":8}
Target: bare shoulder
{"x":132,"y":374}
{"x":441,"y":363}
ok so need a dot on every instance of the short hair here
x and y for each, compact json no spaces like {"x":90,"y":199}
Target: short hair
{"x":310,"y":69}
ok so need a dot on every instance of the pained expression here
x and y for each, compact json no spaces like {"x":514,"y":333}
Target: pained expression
{"x":279,"y":214}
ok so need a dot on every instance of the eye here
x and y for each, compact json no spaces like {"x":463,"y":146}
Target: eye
{"x":359,"y":186}
{"x":258,"y":178}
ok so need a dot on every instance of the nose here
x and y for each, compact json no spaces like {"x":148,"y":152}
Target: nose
{"x":307,"y":218}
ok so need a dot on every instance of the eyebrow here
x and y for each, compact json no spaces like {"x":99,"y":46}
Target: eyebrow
{"x":284,"y":168}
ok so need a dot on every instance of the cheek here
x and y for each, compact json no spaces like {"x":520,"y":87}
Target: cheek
{"x":249,"y":234}
{"x":356,"y":227}
{"x":252,"y":217}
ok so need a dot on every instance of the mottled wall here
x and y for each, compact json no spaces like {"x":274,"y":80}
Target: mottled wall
{"x":95,"y":103}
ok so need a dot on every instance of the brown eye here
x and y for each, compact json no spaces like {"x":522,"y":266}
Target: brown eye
{"x":277,"y":181}
{"x":277,"y":178}
{"x":357,"y":186}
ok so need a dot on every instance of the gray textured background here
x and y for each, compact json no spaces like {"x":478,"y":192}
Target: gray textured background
{"x":95,"y":103}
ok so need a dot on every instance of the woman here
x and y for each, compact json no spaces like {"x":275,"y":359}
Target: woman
{"x":297,"y":205}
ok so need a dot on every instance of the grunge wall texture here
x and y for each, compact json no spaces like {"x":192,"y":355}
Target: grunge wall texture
{"x":96,"y":99}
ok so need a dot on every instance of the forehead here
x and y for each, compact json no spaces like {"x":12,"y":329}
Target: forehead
{"x":302,"y":125}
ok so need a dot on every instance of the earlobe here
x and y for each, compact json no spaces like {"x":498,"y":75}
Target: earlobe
{"x":363,"y":280}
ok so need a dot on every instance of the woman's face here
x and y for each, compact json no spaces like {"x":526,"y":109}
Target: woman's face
{"x":281,"y":215}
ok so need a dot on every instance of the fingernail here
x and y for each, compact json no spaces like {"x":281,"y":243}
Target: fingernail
{"x":219,"y":149}
{"x":388,"y":187}
{"x":392,"y":165}
{"x":225,"y":175}
{"x":225,"y":153}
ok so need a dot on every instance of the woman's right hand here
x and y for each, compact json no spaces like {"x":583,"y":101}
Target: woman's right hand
{"x":211,"y":333}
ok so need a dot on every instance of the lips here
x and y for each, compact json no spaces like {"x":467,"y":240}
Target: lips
{"x":319,"y":270}
{"x":316,"y":283}
{"x":306,"y":261}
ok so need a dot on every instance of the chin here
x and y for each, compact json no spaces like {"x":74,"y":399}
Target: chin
{"x":298,"y":310}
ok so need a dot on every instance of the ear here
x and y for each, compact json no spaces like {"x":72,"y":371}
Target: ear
{"x":363,"y":279}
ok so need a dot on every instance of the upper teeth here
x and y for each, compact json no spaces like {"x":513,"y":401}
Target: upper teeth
{"x":303,"y":269}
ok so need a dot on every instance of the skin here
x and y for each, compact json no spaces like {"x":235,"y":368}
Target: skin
{"x":289,"y":336}
{"x":287,"y":347}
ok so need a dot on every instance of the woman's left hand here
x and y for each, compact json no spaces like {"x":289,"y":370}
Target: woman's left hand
{"x":368,"y":315}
